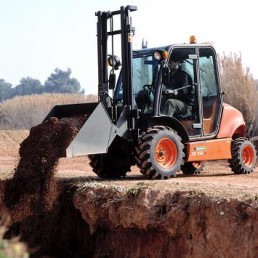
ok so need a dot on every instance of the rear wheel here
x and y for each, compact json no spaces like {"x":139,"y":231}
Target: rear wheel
{"x":244,"y":156}
{"x":159,"y":153}
{"x":190,"y":168}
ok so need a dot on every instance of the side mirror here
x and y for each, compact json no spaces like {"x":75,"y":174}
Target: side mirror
{"x":165,"y":75}
{"x":112,"y":81}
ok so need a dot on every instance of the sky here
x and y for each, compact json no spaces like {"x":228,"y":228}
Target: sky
{"x":37,"y":36}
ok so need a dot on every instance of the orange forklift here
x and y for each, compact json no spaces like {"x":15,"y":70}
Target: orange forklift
{"x":127,"y":126}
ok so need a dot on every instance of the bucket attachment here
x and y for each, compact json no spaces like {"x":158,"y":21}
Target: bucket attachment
{"x":95,"y":136}
{"x":69,"y":110}
{"x":97,"y":133}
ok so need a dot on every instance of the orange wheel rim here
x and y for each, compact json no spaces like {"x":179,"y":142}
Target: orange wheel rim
{"x":248,"y":156}
{"x":166,"y":153}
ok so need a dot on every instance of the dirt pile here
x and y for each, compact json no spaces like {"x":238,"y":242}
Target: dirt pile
{"x":32,"y":188}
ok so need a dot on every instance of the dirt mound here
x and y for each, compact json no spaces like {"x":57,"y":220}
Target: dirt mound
{"x":32,"y":189}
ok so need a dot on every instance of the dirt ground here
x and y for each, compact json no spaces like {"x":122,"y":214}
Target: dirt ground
{"x":80,"y":215}
{"x":216,"y":178}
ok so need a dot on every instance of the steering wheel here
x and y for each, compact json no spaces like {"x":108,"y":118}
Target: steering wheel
{"x":147,"y":87}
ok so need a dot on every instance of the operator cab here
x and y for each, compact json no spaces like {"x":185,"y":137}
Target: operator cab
{"x":198,"y":61}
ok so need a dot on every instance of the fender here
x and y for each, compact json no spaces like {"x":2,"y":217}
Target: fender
{"x":166,"y":121}
{"x":232,"y":123}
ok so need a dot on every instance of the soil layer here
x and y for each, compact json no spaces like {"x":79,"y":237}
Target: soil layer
{"x":94,"y":219}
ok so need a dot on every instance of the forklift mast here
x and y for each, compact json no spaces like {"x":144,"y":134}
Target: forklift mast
{"x":126,"y":31}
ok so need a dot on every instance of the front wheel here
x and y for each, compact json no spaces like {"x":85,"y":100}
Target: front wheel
{"x":115,"y":163}
{"x":109,"y":166}
{"x":244,"y":156}
{"x":159,"y":153}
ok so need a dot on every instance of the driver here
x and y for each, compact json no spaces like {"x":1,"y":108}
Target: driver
{"x":181,"y":101}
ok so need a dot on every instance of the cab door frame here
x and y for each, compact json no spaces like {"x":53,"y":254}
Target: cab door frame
{"x":194,"y":56}
{"x":218,"y":92}
{"x":199,"y":124}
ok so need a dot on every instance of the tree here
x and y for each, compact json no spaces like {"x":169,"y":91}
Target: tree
{"x":5,"y":90}
{"x":60,"y":82}
{"x":28,"y":86}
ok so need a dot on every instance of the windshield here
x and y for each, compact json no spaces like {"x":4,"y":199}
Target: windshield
{"x":145,"y":72}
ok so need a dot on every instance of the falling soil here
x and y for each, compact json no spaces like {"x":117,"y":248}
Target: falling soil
{"x":32,"y":188}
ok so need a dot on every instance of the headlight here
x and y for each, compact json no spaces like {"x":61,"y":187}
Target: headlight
{"x":160,"y":55}
{"x":157,"y":55}
{"x":114,"y":61}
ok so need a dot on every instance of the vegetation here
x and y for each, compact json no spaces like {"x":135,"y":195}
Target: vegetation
{"x":5,"y":90}
{"x":240,"y":90}
{"x":23,"y":112}
{"x":58,"y":82}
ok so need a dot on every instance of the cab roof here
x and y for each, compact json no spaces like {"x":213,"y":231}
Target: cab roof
{"x":148,"y":51}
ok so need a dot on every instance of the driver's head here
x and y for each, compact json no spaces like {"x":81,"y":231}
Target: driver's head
{"x":173,"y":65}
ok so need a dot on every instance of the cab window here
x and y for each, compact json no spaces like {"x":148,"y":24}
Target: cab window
{"x":209,"y":90}
{"x":145,"y":73}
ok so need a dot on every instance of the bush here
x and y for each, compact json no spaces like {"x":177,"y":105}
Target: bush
{"x":240,"y":89}
{"x":23,"y":112}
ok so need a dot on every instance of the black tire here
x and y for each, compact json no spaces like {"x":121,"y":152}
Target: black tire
{"x":244,"y":156}
{"x":165,"y":163}
{"x":190,"y":168}
{"x":114,"y":164}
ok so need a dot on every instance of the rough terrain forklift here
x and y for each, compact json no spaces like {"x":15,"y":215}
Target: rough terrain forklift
{"x":128,"y":125}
